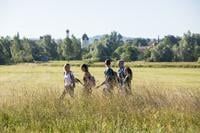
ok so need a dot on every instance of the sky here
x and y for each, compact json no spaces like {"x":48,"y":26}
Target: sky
{"x":131,"y":18}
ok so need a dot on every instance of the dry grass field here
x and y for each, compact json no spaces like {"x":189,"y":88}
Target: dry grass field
{"x":163,"y":100}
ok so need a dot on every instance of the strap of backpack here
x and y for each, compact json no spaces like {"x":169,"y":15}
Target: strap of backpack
{"x":71,"y":76}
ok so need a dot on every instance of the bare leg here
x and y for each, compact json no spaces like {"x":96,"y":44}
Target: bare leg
{"x":63,"y":94}
{"x":71,"y":92}
{"x":129,"y":91}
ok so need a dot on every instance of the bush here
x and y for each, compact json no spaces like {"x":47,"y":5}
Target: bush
{"x":198,"y":60}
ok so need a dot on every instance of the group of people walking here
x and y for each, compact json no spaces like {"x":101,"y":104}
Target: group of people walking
{"x":120,"y":79}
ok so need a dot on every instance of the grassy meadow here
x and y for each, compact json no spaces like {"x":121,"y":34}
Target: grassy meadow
{"x":163,"y":100}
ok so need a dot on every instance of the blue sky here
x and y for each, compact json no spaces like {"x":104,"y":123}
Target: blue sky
{"x":133,"y":18}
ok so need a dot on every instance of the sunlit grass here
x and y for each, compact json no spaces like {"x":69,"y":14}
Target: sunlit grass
{"x":132,"y":64}
{"x":164,"y":100}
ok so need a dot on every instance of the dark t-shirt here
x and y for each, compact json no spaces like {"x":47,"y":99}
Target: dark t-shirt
{"x":109,"y":74}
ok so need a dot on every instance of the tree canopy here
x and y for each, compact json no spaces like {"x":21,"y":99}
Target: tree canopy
{"x":112,"y":46}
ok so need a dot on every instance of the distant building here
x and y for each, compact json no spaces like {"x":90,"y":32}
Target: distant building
{"x":151,"y":44}
{"x":84,"y":41}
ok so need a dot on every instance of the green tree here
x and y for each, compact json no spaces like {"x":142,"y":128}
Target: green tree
{"x":49,"y":47}
{"x":16,"y":50}
{"x":138,"y":42}
{"x":37,"y":50}
{"x":26,"y":51}
{"x":21,"y":50}
{"x":147,"y":54}
{"x":155,"y":56}
{"x":67,"y":49}
{"x":186,"y":48}
{"x":196,"y":52}
{"x":5,"y":53}
{"x":100,"y":52}
{"x":76,"y":43}
{"x":127,"y":53}
{"x":170,"y":40}
{"x":114,"y":40}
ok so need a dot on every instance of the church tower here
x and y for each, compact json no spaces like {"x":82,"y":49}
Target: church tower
{"x":67,"y":33}
{"x":84,"y":41}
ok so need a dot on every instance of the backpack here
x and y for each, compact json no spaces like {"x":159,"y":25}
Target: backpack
{"x":121,"y":73}
{"x":114,"y":76}
{"x":72,"y":78}
{"x":92,"y":81}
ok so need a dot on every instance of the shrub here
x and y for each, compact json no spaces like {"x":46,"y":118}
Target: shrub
{"x":198,"y":60}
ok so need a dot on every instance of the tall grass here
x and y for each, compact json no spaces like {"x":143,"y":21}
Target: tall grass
{"x":163,"y":100}
{"x":150,"y":110}
{"x":131,"y":64}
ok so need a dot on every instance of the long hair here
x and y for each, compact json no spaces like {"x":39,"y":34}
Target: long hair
{"x":85,"y":66}
{"x":129,"y":71}
{"x":108,"y":62}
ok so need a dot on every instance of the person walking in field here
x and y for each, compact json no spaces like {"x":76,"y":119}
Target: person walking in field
{"x":88,"y":80}
{"x":69,"y":82}
{"x":121,"y":73}
{"x":110,"y":78}
{"x":126,"y":88}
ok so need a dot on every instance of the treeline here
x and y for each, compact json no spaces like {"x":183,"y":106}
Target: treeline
{"x":18,"y":50}
{"x":170,"y":48}
{"x":167,"y":49}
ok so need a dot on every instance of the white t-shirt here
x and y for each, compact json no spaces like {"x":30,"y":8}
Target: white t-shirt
{"x":68,"y":78}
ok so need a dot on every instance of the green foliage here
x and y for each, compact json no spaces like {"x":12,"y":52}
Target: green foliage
{"x":173,"y":48}
{"x":101,"y":52}
{"x":49,"y":46}
{"x":76,"y":48}
{"x":186,"y":48}
{"x":102,"y":49}
{"x":138,"y":42}
{"x":162,"y":53}
{"x":21,"y":50}
{"x":70,"y":48}
{"x":112,"y":46}
{"x":198,"y":60}
{"x":155,"y":56}
{"x":169,"y":104}
{"x":126,"y":52}
{"x":37,"y":50}
{"x":67,"y":49}
{"x":16,"y":50}
{"x":85,"y":54}
{"x":114,"y":40}
{"x":196,"y":52}
{"x":27,"y":51}
{"x":5,"y":53}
